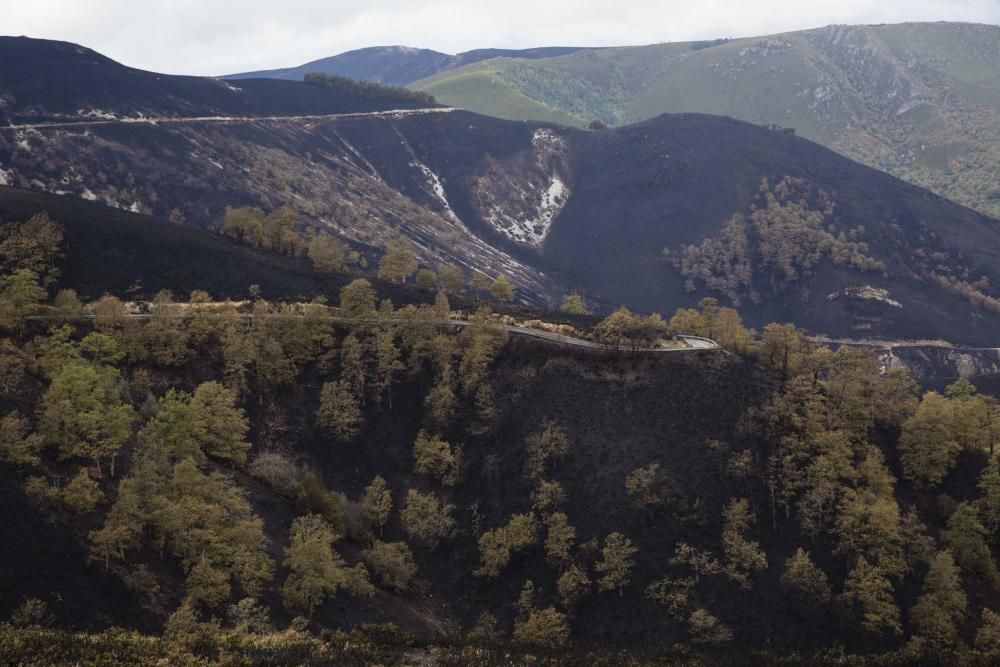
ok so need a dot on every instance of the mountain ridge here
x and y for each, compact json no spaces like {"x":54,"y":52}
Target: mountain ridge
{"x":395,"y":65}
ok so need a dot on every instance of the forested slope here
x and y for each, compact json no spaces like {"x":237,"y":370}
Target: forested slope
{"x":459,"y":489}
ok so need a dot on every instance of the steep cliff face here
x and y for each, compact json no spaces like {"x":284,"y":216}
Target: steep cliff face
{"x":943,"y":363}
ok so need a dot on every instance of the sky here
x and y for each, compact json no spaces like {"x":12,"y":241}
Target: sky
{"x":213,"y":37}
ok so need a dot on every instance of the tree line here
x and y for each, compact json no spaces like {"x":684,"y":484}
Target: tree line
{"x":369,"y":89}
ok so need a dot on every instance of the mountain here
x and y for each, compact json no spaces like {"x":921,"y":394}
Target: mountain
{"x":42,"y":80}
{"x":919,"y":100}
{"x":397,"y":65}
{"x":641,"y":215}
{"x":275,"y":482}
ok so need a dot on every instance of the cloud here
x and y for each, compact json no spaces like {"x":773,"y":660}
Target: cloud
{"x":222,"y":36}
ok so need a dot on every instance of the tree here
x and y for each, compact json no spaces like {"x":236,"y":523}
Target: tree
{"x":988,"y":635}
{"x":186,"y":631}
{"x":543,"y":630}
{"x":971,"y":419}
{"x":807,"y":581}
{"x":207,"y":584}
{"x":781,"y":346}
{"x":967,"y":538}
{"x":426,"y":278}
{"x":329,"y":255}
{"x":393,"y":564}
{"x":478,"y":283}
{"x":701,"y":563}
{"x":941,"y":608}
{"x":479,"y":353}
{"x":744,"y":557}
{"x":206,"y":423}
{"x":676,"y":595}
{"x":426,"y":519}
{"x":35,"y":245}
{"x":548,"y":497}
{"x":18,"y":445}
{"x":927,"y":445}
{"x":502,"y":289}
{"x":357,"y":299}
{"x":434,"y":457}
{"x":440,"y":403}
{"x":356,"y":365}
{"x":67,"y":304}
{"x":573,"y":304}
{"x":497,"y":546}
{"x":612,"y":330}
{"x":642,"y":487}
{"x":485,"y":633}
{"x":317,"y":571}
{"x":13,"y":366}
{"x":249,"y":617}
{"x":871,"y":591}
{"x":572,"y":586}
{"x":81,"y":494}
{"x":729,"y":332}
{"x":217,"y":424}
{"x":388,"y":365}
{"x":442,"y":307}
{"x":20,"y":296}
{"x":192,"y":514}
{"x":339,"y":411}
{"x":376,"y":504}
{"x":399,"y":261}
{"x":918,"y":544}
{"x":279,"y":232}
{"x":688,"y":321}
{"x":616,"y":563}
{"x":705,"y":628}
{"x":165,"y":334}
{"x":989,"y":487}
{"x":32,"y":613}
{"x":82,"y":412}
{"x":559,"y":540}
{"x":869,"y":525}
{"x":546,"y":447}
{"x":450,"y":278}
{"x":525,"y":602}
{"x":246,"y":224}
{"x":486,"y":415}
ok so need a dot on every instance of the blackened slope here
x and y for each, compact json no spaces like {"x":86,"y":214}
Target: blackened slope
{"x":44,"y":561}
{"x":397,"y":65}
{"x":677,"y":179}
{"x":670,"y":181}
{"x":42,"y":79}
{"x":109,"y":250}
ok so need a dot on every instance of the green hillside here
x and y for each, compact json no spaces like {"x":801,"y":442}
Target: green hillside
{"x":921,"y":101}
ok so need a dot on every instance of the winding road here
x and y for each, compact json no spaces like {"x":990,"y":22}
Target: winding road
{"x":85,"y":121}
{"x":693,"y":343}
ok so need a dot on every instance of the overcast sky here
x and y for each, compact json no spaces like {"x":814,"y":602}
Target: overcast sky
{"x":226,"y":36}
